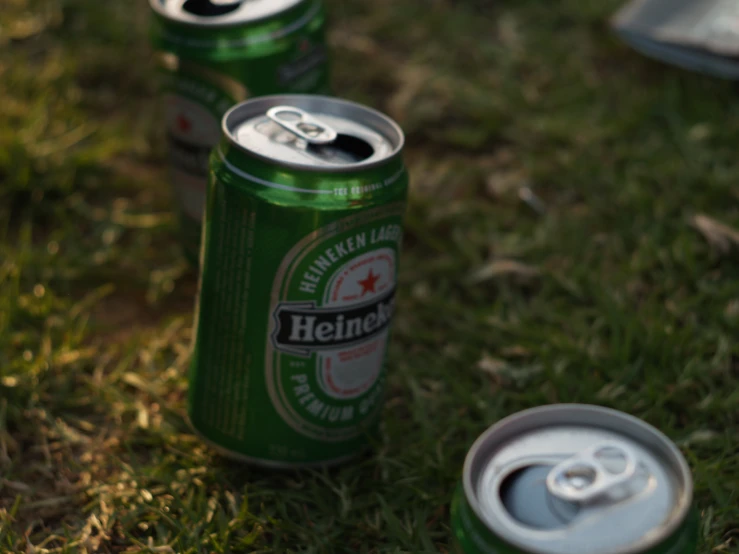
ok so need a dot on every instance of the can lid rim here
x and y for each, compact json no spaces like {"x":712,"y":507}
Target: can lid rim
{"x":254,"y":107}
{"x":580,"y":413}
{"x":219,"y":22}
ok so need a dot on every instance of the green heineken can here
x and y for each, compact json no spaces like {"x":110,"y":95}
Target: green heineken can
{"x":214,"y":54}
{"x":574,"y":479}
{"x":299,"y":258}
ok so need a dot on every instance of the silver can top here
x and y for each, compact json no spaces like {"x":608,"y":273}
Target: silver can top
{"x":220,"y":13}
{"x":577,"y":479}
{"x":314,"y":133}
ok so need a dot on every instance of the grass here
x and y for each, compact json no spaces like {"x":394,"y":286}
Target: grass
{"x":620,"y":287}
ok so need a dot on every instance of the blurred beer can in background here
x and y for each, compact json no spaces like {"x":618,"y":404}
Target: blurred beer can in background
{"x":215,"y":53}
{"x":574,"y":479}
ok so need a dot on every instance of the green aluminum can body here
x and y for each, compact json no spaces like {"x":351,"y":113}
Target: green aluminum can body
{"x":210,"y":62}
{"x":527,"y":480}
{"x":298,"y":270}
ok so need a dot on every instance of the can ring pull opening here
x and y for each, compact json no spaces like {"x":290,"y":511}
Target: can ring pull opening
{"x":588,"y":474}
{"x":211,"y":8}
{"x":302,"y":124}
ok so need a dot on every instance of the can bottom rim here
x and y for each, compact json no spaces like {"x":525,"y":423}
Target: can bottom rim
{"x":267,"y":463}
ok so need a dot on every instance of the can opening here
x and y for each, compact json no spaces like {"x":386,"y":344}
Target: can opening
{"x":344,"y":149}
{"x":211,"y":8}
{"x":525,"y":496}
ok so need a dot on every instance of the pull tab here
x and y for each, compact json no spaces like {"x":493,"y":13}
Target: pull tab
{"x":593,"y":471}
{"x":302,"y":124}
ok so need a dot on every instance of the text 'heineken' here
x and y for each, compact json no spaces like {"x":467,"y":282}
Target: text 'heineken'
{"x":301,"y":241}
{"x":215,"y":53}
{"x":574,"y":479}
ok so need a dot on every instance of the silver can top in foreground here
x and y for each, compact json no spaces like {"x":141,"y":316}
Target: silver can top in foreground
{"x":577,"y":479}
{"x":220,"y":13}
{"x":314,"y":133}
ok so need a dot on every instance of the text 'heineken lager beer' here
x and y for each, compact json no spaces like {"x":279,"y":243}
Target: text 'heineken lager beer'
{"x":302,"y":233}
{"x":574,"y":479}
{"x":215,"y":53}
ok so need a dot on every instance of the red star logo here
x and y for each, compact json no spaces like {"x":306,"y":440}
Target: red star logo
{"x":183,"y":124}
{"x":368,"y":284}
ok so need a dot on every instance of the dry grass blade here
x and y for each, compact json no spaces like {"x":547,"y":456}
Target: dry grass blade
{"x":21,"y":23}
{"x":490,"y":365}
{"x":718,"y":235}
{"x":149,"y":547}
{"x":15,"y":485}
{"x":502,"y":267}
{"x":505,"y":181}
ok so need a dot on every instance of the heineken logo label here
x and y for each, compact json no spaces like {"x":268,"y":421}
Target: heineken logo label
{"x":330,"y":327}
{"x":190,"y":122}
{"x":310,"y":58}
{"x":188,"y":157}
{"x":192,"y":130}
{"x":192,"y":110}
{"x":303,"y":328}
